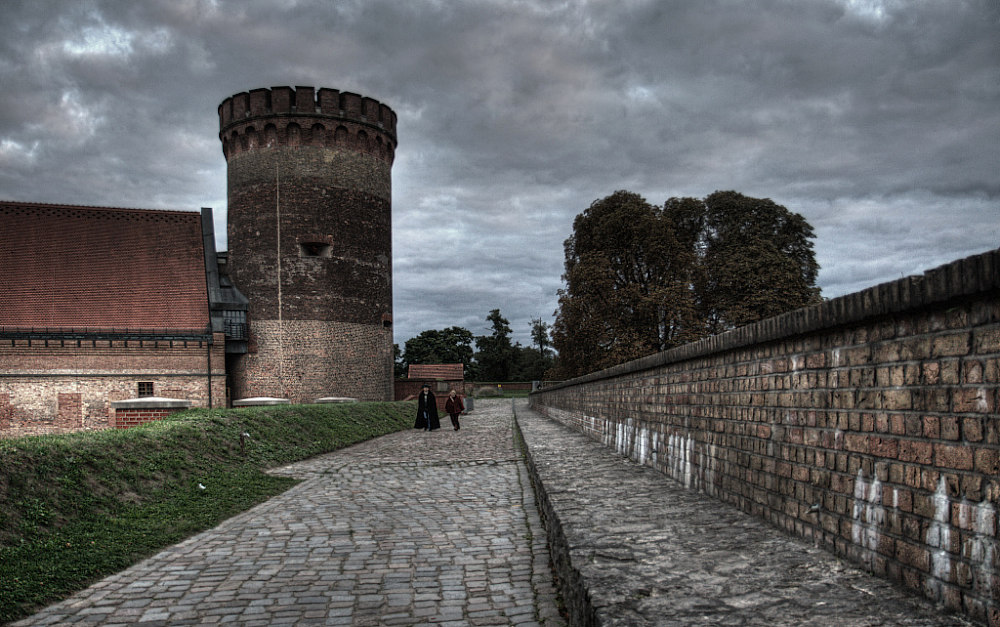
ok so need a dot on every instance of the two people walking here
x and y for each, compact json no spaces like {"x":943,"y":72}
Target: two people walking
{"x":427,"y":411}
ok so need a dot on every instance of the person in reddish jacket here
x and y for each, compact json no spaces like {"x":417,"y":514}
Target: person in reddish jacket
{"x":454,"y":407}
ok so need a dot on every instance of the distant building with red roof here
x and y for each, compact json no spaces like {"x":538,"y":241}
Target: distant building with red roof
{"x":441,"y":377}
{"x":446,"y":372}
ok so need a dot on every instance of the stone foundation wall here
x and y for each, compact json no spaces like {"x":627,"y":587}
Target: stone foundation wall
{"x":867,"y":423}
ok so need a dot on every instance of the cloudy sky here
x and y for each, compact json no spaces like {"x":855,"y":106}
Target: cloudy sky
{"x":877,"y":120}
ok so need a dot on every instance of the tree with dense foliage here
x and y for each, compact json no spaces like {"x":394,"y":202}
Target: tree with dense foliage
{"x":495,"y":353}
{"x":529,"y":364}
{"x":642,"y":279}
{"x":758,"y":261}
{"x":450,"y":346}
{"x":628,"y":279}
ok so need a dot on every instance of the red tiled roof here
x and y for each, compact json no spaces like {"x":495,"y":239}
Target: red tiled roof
{"x":64,"y":266}
{"x":448,"y":372}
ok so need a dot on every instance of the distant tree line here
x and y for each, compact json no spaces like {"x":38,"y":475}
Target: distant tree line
{"x":640,"y":279}
{"x":495,"y":357}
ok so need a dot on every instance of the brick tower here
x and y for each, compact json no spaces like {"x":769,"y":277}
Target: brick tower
{"x":310,"y":241}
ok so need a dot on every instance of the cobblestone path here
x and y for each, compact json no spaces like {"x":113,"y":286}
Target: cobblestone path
{"x":413,"y":528}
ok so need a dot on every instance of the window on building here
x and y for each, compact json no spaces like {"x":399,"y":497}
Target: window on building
{"x":314,"y":249}
{"x":145,"y":388}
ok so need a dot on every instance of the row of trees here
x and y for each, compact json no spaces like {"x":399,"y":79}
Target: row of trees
{"x":640,"y":279}
{"x":495,"y":358}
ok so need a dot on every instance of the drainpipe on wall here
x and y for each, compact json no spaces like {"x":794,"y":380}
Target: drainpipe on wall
{"x":211,"y":338}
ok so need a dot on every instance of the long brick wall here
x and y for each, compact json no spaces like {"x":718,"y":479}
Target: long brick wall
{"x":867,"y":424}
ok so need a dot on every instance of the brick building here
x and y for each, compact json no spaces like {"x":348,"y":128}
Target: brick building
{"x":103,"y":304}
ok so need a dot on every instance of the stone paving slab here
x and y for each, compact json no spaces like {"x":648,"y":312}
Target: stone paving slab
{"x":413,"y":528}
{"x":633,"y":547}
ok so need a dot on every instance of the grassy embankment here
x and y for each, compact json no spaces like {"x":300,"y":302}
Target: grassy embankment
{"x":75,"y":508}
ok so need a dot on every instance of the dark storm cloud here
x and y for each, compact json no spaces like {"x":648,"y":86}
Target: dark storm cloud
{"x":878,"y":120}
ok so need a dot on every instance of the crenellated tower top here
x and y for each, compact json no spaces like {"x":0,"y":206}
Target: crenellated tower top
{"x":285,"y":116}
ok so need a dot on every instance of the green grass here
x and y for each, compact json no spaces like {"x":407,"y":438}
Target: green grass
{"x":75,"y":508}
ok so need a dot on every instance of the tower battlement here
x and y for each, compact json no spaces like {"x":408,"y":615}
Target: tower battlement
{"x":286,"y":116}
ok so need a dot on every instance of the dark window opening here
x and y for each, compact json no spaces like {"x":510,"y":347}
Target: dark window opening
{"x":145,"y":388}
{"x":314,"y":249}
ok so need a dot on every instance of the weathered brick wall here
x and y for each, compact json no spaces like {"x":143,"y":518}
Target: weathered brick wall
{"x":867,"y":424}
{"x":303,"y":360}
{"x":56,"y":386}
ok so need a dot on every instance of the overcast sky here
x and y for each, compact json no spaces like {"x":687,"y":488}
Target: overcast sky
{"x":877,"y":120}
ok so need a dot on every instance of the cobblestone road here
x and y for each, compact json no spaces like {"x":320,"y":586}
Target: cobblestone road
{"x":413,"y":528}
{"x":443,"y":528}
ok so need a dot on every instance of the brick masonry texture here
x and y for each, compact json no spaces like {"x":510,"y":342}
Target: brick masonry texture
{"x":55,"y":386}
{"x":867,"y":424}
{"x":310,"y":238}
{"x":126,"y":418}
{"x":304,"y":360}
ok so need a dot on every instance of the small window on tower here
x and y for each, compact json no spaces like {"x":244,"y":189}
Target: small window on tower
{"x":314,"y":249}
{"x":145,"y":388}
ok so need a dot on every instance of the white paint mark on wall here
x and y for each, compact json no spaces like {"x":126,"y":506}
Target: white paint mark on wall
{"x":621,"y":438}
{"x":680,"y":452}
{"x":981,"y":405}
{"x":689,"y":461}
{"x":708,"y":486}
{"x":939,"y":537}
{"x":981,"y":547}
{"x":868,"y":515}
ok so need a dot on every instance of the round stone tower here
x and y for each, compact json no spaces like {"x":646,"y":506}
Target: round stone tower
{"x":310,"y":241}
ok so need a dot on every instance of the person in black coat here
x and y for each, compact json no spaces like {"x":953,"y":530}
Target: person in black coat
{"x":427,"y":410}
